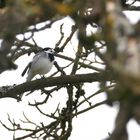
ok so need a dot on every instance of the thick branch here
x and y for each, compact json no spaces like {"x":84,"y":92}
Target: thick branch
{"x":124,"y":114}
{"x":133,"y":8}
{"x":49,"y":82}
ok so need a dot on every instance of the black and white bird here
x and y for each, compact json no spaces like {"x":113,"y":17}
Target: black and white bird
{"x":41,"y":64}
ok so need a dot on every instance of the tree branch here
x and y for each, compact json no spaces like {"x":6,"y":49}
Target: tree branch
{"x":49,"y":82}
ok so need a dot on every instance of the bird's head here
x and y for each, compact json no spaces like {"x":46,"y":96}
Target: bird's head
{"x":48,"y":50}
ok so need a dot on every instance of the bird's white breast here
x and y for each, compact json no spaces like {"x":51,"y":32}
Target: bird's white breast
{"x":41,"y":66}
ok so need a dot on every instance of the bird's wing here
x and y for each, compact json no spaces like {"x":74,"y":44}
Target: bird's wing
{"x":27,"y":67}
{"x":37,"y":57}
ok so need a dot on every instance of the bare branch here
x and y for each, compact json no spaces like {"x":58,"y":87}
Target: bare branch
{"x":48,"y":82}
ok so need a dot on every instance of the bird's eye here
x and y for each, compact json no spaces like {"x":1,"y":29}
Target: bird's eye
{"x":52,"y":51}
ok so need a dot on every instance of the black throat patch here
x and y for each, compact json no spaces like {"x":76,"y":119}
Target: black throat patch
{"x":51,"y":56}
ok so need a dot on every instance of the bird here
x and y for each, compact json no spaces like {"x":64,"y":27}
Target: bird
{"x":41,"y":63}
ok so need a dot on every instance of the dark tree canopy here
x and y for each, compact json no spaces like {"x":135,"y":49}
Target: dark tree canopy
{"x":110,"y":56}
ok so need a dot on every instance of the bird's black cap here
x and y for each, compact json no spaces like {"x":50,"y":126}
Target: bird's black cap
{"x":46,"y":49}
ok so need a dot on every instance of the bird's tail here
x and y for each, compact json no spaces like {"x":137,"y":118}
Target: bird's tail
{"x":27,"y":67}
